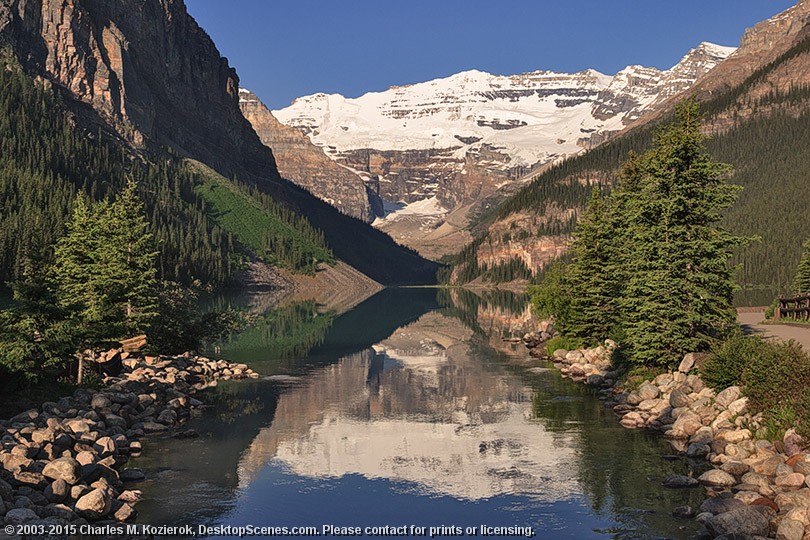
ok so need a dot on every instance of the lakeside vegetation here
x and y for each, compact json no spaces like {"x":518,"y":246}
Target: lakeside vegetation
{"x":649,"y":266}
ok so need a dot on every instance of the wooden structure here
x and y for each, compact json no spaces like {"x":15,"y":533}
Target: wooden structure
{"x":133,"y":344}
{"x":793,"y":308}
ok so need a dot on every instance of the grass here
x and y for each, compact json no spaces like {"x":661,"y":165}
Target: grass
{"x":272,"y":235}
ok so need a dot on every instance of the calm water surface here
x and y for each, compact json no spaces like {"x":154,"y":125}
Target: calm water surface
{"x":410,"y":409}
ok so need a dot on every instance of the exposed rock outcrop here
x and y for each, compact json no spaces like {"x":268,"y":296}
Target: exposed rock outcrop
{"x":305,"y":164}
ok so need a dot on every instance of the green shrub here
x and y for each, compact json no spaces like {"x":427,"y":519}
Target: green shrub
{"x":563,"y":342}
{"x":727,"y":360}
{"x":774,"y":375}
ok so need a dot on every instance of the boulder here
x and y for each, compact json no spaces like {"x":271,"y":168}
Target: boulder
{"x":125,"y":513}
{"x":67,"y":469}
{"x":686,"y":425}
{"x":15,"y":463}
{"x":794,"y":498}
{"x":728,"y":396}
{"x":717,"y":478}
{"x":720,"y":505}
{"x":792,"y":480}
{"x":6,"y":490}
{"x":18,"y":516}
{"x":680,"y":397}
{"x":734,"y":436}
{"x":738,"y":407}
{"x":648,"y":391}
{"x":748,"y":520}
{"x":95,"y":505}
{"x":57,"y":491}
{"x":687,"y":363}
{"x":736,"y":468}
{"x":679,"y":481}
{"x":793,"y":443}
{"x":105,"y":446}
{"x":790,"y":529}
{"x":132,"y":475}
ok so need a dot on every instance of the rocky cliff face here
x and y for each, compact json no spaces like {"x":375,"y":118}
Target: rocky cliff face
{"x":761,"y":44}
{"x":145,"y":68}
{"x":463,"y":138}
{"x":305,"y":164}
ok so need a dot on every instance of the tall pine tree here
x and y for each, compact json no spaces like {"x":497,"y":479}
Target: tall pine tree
{"x":592,"y":285}
{"x":678,"y":297}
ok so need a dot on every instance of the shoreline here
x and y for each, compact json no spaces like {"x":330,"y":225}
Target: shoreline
{"x":64,"y":463}
{"x":754,"y":487}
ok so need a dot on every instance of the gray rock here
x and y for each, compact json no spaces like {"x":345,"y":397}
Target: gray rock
{"x":679,"y":481}
{"x":688,"y":362}
{"x":794,"y":498}
{"x":721,"y":505}
{"x":698,"y":450}
{"x":5,"y":490}
{"x":18,"y":516}
{"x":680,"y":397}
{"x":132,"y":475}
{"x":717,"y":478}
{"x":746,"y":520}
{"x":686,"y":425}
{"x":67,"y":469}
{"x":95,"y":505}
{"x":57,"y":491}
{"x":736,"y":468}
{"x":728,"y":396}
{"x":648,"y":391}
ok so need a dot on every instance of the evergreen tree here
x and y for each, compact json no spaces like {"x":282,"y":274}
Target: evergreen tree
{"x":801,"y":283}
{"x":105,"y":268}
{"x":591,"y":277}
{"x":34,"y":331}
{"x":678,"y":297}
{"x":129,"y":260}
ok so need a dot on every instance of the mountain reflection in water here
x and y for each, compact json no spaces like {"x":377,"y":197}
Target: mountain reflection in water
{"x":416,"y":410}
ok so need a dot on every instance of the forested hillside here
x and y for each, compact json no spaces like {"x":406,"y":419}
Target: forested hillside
{"x":761,"y":127}
{"x":45,"y":159}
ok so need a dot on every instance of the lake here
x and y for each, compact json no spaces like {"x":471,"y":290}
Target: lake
{"x":416,"y":409}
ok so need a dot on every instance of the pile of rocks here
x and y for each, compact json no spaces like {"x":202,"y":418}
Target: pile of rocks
{"x":755,"y":487}
{"x":65,"y":463}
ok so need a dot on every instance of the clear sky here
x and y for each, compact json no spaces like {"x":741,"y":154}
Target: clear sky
{"x":284,"y":49}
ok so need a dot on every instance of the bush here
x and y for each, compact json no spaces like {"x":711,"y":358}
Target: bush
{"x":563,"y":342}
{"x":774,"y":375}
{"x":726,"y":362}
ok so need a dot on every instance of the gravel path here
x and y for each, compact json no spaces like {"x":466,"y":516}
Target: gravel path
{"x":751,"y":322}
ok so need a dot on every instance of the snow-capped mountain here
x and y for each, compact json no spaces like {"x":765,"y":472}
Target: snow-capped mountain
{"x":461,"y":138}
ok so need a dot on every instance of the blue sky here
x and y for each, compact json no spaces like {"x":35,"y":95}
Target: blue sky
{"x":284,"y":49}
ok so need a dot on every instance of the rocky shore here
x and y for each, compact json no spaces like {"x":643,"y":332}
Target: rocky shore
{"x":65,"y":462}
{"x":755,"y":488}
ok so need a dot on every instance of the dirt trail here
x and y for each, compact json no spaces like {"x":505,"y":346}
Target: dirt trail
{"x":751,"y":322}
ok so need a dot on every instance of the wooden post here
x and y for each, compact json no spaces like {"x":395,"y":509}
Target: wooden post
{"x":81,"y":369}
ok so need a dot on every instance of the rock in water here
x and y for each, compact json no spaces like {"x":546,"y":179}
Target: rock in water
{"x":717,"y":478}
{"x":679,"y":482}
